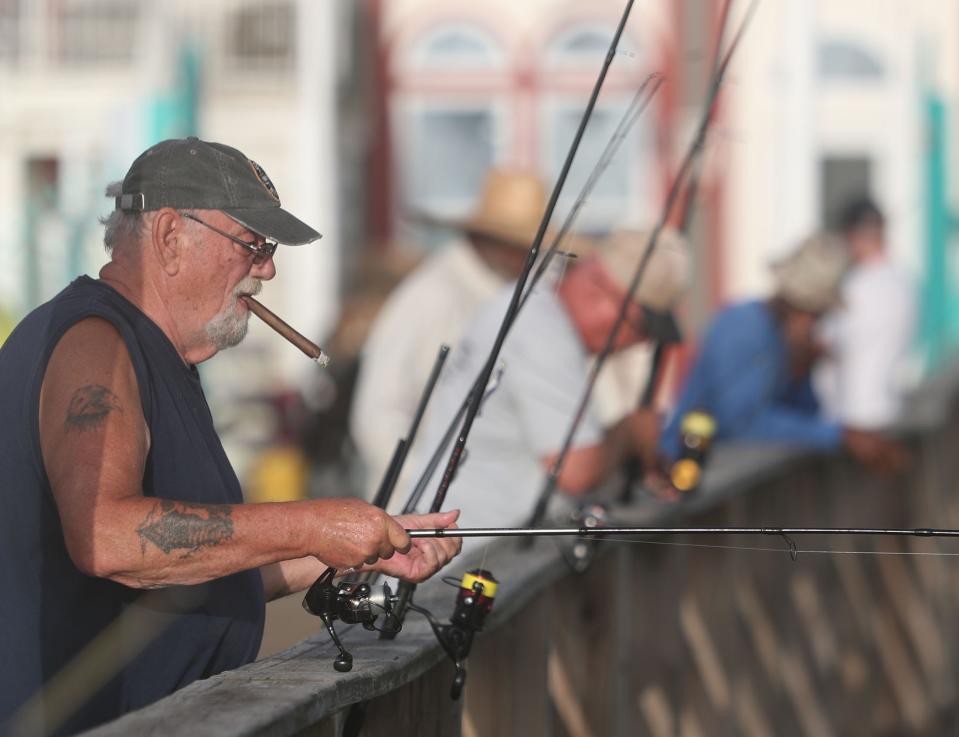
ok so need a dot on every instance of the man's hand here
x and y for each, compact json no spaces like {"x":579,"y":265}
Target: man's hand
{"x":876,"y":452}
{"x":348,"y":533}
{"x":426,"y":556}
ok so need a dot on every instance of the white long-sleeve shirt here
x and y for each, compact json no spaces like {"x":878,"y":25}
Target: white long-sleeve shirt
{"x":869,"y":338}
{"x":434,"y":305}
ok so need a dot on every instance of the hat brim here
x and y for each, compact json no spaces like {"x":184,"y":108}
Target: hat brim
{"x":573,"y":243}
{"x":661,"y":326}
{"x":506,"y":233}
{"x":817,"y":304}
{"x":501,"y":233}
{"x":275,"y":224}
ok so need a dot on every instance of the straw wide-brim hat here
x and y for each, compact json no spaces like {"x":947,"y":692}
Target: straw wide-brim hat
{"x":509,"y":210}
{"x":667,"y":273}
{"x":810,"y":277}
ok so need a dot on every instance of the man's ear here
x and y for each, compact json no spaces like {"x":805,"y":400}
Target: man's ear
{"x":167,"y":239}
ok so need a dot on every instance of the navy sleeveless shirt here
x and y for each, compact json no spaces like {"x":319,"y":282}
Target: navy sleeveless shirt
{"x":49,"y":610}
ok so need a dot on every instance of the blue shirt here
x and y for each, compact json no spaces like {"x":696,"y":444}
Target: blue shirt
{"x":741,"y":378}
{"x":49,"y":610}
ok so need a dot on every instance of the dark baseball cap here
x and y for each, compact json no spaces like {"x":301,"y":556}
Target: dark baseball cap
{"x":187,"y":173}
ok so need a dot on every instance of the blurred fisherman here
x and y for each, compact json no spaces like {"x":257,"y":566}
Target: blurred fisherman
{"x":868,"y":340}
{"x":433,"y":305}
{"x":520,"y":432}
{"x":114,"y":479}
{"x":752,"y":372}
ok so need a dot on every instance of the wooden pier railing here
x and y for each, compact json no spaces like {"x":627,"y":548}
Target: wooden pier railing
{"x":727,"y":637}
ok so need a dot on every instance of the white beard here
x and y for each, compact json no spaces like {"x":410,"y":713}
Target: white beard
{"x":229,"y":327}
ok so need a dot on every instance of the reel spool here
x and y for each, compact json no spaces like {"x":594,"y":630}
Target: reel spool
{"x":474,"y":602}
{"x":351,"y":602}
{"x":359,"y":603}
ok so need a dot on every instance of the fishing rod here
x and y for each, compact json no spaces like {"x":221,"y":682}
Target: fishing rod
{"x":475,"y":396}
{"x":638,"y":105}
{"x":473,"y":408}
{"x":692,"y":186}
{"x":417,"y":493}
{"x":618,"y":531}
{"x":390,"y":478}
{"x":658,"y":362}
{"x":552,"y":477}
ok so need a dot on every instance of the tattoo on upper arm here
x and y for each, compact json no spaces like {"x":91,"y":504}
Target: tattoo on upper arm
{"x":90,"y":406}
{"x":178,"y":526}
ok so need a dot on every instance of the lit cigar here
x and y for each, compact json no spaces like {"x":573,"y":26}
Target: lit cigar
{"x":306,"y":345}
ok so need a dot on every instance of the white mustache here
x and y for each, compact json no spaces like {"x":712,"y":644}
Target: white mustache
{"x":250,"y":285}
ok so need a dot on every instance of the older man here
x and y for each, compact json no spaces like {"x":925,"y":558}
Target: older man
{"x":522,"y":426}
{"x":114,"y":478}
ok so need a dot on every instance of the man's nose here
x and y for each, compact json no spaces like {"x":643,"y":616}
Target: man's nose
{"x":265,"y":270}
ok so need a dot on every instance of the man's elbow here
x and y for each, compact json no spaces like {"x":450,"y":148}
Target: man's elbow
{"x":102,"y":561}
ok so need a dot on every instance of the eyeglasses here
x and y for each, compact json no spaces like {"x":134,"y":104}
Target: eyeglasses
{"x":260,"y":252}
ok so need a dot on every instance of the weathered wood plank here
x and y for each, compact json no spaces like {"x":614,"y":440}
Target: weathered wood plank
{"x":657,"y":639}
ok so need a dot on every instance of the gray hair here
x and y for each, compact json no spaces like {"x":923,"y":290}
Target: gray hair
{"x":123,"y":228}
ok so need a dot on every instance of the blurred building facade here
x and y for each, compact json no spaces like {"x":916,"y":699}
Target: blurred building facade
{"x":88,"y":84}
{"x":830,"y":100}
{"x":369,"y":113}
{"x":366,"y":113}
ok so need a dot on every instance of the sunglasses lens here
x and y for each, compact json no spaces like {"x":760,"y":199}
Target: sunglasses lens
{"x":264,"y":252}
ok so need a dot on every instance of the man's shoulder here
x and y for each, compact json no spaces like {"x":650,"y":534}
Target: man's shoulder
{"x":738,"y":325}
{"x":739,"y":314}
{"x":434,"y":282}
{"x":92,"y":345}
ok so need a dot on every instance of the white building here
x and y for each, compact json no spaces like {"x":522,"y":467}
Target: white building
{"x":88,"y":84}
{"x":827,"y":100}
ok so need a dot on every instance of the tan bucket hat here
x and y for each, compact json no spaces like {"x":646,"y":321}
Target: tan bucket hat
{"x":667,"y":274}
{"x":809,"y":278}
{"x":509,"y":210}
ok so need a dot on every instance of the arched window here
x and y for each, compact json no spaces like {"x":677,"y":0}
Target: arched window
{"x":840,"y":59}
{"x":457,"y":46}
{"x":585,"y":46}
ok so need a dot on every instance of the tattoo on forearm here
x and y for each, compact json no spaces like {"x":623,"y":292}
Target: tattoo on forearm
{"x":178,"y":526}
{"x":90,"y":406}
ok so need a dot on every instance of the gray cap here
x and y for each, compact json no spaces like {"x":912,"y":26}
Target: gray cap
{"x":189,"y":173}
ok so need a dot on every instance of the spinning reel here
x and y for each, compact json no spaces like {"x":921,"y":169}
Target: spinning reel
{"x":360,"y":603}
{"x":474,"y":601}
{"x":351,"y":602}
